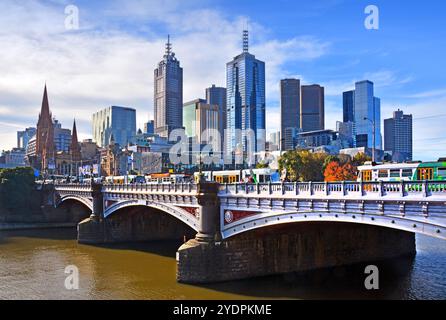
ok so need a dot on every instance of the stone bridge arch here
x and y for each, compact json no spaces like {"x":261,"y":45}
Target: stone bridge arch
{"x":265,"y":220}
{"x":187,"y":215}
{"x":138,"y":220}
{"x":85,"y":201}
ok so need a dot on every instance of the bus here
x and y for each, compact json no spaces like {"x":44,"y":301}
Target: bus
{"x":411,"y":171}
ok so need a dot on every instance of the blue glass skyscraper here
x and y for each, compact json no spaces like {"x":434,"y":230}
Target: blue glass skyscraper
{"x":245,"y":79}
{"x":367,"y":113}
{"x":349,"y":106}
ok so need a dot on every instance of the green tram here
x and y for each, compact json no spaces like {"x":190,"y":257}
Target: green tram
{"x":414,"y":171}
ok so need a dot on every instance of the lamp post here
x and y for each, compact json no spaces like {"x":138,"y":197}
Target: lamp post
{"x":374,"y":137}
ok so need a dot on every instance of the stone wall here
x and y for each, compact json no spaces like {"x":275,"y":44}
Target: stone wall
{"x":133,"y":225}
{"x":289,"y":248}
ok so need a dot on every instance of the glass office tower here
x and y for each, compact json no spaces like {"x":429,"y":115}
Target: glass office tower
{"x":367,"y":112}
{"x":117,"y":121}
{"x":349,"y":106}
{"x":290,"y":105}
{"x":398,"y":136}
{"x":217,"y":96}
{"x":245,"y":78}
{"x":312,"y":112}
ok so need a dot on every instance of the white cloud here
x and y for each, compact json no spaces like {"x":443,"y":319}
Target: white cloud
{"x":96,"y":67}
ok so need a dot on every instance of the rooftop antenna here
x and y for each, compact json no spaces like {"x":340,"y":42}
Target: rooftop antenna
{"x":168,"y":46}
{"x":245,"y":40}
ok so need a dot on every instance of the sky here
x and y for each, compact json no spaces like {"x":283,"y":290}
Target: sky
{"x":110,"y":58}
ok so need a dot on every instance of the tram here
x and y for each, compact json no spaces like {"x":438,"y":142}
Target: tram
{"x":241,"y":176}
{"x":414,"y":171}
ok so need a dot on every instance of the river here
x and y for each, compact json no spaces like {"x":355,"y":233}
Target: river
{"x":32,"y":266}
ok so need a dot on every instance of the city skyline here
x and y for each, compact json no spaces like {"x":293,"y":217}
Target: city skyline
{"x":78,"y":88}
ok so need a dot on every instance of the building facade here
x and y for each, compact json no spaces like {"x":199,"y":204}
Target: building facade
{"x":217,"y":96}
{"x":312,"y":115}
{"x":290,"y":109}
{"x":23,"y":137}
{"x":398,"y":136}
{"x":348,"y":102}
{"x":201,"y":121}
{"x":367,"y":114}
{"x":117,"y":121}
{"x":62,"y":137}
{"x":347,"y":134}
{"x":168,"y":100}
{"x":149,"y":127}
{"x":245,"y":79}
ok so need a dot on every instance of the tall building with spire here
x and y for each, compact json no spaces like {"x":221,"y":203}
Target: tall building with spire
{"x":168,"y":100}
{"x":245,"y":116}
{"x":45,"y":150}
{"x":75,"y":150}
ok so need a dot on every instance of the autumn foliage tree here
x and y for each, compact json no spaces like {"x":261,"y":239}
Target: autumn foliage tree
{"x":336,"y":171}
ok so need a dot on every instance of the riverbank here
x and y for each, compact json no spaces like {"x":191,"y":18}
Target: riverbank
{"x":35,"y":226}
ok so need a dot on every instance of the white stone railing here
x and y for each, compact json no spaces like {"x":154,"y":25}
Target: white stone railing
{"x":340,"y":189}
{"x":160,"y":188}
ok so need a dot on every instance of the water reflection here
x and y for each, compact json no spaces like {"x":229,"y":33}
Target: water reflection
{"x":32,"y":265}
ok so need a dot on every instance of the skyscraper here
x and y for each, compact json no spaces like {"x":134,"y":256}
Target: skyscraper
{"x":168,"y":101}
{"x":117,"y":121}
{"x":149,"y":127}
{"x":312,"y":115}
{"x":201,"y":121}
{"x":398,"y":136}
{"x":349,"y":106}
{"x":367,"y":113}
{"x":23,"y":137}
{"x":217,"y":96}
{"x":62,"y":137}
{"x":290,"y":105}
{"x":245,"y":77}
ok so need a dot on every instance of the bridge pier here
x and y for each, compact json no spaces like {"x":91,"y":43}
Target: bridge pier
{"x":289,"y":248}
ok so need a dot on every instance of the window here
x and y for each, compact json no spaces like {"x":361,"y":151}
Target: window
{"x":395,"y":173}
{"x":407,"y":173}
{"x":441,"y":172}
{"x":383,"y":174}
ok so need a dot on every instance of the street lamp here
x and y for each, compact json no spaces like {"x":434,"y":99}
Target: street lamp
{"x":374,"y":137}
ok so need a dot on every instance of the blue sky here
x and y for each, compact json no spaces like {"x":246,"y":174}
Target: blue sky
{"x":110,"y":59}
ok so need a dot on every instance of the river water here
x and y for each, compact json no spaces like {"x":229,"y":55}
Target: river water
{"x":32,"y":266}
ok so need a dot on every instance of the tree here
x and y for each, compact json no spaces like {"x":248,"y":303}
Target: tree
{"x":303,"y":165}
{"x":291,"y":161}
{"x":262,"y":165}
{"x":360,"y":159}
{"x":16,"y":188}
{"x":333,"y":172}
{"x":338,"y":172}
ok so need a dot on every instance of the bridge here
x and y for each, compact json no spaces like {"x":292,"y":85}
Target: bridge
{"x":295,"y":225}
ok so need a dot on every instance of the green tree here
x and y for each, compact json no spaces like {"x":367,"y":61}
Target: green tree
{"x":360,"y":159}
{"x":302,"y":165}
{"x":16,"y":188}
{"x":262,"y":165}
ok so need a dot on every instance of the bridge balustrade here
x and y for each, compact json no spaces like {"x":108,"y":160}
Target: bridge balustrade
{"x":321,"y":189}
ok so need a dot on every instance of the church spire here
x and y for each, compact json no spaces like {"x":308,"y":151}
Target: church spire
{"x":74,"y":147}
{"x":45,"y":110}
